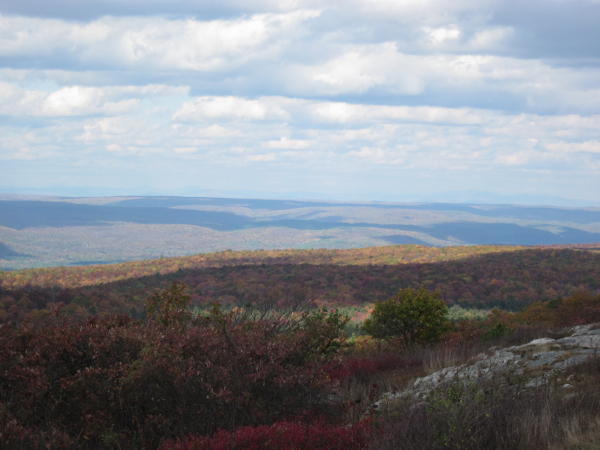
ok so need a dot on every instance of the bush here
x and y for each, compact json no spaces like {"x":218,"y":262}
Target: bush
{"x":579,"y":308}
{"x":280,"y":436}
{"x":414,"y":316}
{"x":123,"y":383}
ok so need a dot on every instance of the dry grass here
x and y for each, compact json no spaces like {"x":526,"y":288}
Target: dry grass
{"x":497,"y":414}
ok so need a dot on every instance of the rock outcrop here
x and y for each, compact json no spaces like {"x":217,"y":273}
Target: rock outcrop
{"x":532,"y":364}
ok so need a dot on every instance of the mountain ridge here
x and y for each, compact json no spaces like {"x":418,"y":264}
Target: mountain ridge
{"x":69,"y":231}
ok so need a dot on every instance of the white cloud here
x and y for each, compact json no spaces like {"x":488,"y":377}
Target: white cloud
{"x":462,"y":59}
{"x":358,"y":70}
{"x":442,"y":35}
{"x":288,"y":144}
{"x":377,"y":69}
{"x":339,"y":112}
{"x":297,"y":111}
{"x":150,"y":42}
{"x":490,"y":38}
{"x":484,"y":40}
{"x":229,"y":107}
{"x":79,"y":100}
{"x":212,"y":128}
{"x":312,"y":85}
{"x":570,"y":147}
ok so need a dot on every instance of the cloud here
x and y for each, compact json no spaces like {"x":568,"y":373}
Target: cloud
{"x":339,"y":112}
{"x":289,"y":144}
{"x":229,"y":108}
{"x":152,"y":42}
{"x":575,"y":147}
{"x":464,"y":60}
{"x":212,"y":128}
{"x":361,"y":89}
{"x":79,"y":100}
{"x":442,"y":35}
{"x":76,"y":100}
{"x":379,"y":70}
{"x":293,"y":110}
{"x":360,"y":69}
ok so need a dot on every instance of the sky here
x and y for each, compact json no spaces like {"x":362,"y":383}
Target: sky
{"x":489,"y":101}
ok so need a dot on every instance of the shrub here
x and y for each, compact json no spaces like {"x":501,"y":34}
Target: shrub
{"x":123,"y":383}
{"x":280,"y":436}
{"x":414,"y":316}
{"x":581,"y":307}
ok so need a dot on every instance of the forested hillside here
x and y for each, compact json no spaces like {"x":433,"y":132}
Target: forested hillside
{"x":76,"y":276}
{"x":46,"y":231}
{"x":133,"y":355}
{"x":508,"y":279}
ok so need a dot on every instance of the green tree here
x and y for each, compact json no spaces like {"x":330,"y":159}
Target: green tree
{"x":416,"y":316}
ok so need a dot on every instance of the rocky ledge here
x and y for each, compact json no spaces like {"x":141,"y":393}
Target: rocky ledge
{"x":532,"y":364}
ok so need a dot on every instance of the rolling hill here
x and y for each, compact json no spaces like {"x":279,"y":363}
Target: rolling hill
{"x":39,"y":232}
{"x":482,"y":277}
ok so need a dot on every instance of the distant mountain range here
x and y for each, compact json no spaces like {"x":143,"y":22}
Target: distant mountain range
{"x":46,"y":231}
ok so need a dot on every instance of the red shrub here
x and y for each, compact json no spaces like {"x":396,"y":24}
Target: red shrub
{"x":120,"y":382}
{"x":280,"y":436}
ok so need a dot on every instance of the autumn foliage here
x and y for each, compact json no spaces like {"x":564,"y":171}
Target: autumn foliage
{"x":122,"y":382}
{"x":281,"y":436}
{"x":509,"y":280}
{"x":224,"y":361}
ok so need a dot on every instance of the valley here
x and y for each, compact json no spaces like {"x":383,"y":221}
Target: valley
{"x":59,"y":231}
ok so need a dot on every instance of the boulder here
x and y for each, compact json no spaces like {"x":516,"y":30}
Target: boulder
{"x":532,"y":364}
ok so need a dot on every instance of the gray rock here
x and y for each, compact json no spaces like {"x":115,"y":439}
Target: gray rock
{"x":536,"y":361}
